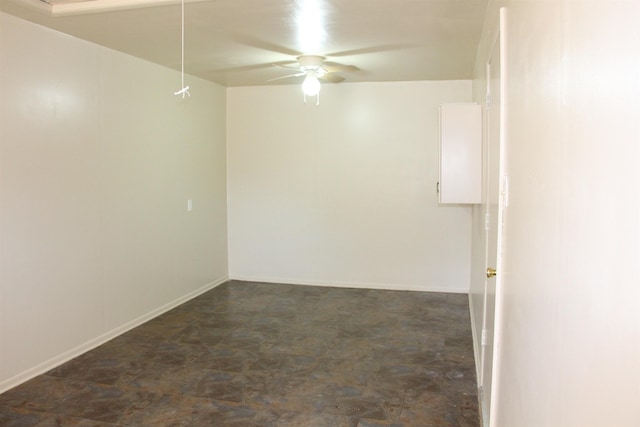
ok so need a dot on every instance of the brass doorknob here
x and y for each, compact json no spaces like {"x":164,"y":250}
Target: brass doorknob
{"x":491,"y":272}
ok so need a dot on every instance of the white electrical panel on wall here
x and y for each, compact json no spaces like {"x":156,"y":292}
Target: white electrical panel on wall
{"x":460,"y":153}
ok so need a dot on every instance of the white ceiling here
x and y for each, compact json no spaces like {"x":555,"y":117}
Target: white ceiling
{"x":236,"y":42}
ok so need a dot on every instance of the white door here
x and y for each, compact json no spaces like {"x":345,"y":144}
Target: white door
{"x":493,"y":224}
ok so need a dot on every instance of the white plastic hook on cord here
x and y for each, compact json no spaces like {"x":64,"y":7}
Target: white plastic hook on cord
{"x":185,"y":89}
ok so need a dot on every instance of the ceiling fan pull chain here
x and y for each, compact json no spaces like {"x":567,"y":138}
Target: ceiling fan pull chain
{"x":316,"y":95}
{"x":185,"y":89}
{"x":304,"y":96}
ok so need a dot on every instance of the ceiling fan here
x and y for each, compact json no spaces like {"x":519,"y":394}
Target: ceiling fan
{"x":314,"y":68}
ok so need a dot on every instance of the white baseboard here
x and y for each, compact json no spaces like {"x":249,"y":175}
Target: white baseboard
{"x":99,"y":340}
{"x":484,"y":420}
{"x":359,"y":285}
{"x":477,"y":351}
{"x":477,"y":348}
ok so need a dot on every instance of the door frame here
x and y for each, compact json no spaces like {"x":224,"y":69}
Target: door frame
{"x":491,"y":333}
{"x":502,"y":206}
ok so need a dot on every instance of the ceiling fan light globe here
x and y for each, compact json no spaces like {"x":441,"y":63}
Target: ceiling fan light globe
{"x":311,"y":85}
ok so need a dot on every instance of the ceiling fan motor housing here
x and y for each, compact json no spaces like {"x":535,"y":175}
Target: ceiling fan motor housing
{"x":311,"y":62}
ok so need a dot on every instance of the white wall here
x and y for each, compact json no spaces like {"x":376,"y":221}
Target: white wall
{"x":97,"y":161}
{"x":343,"y":193}
{"x":569,"y":347}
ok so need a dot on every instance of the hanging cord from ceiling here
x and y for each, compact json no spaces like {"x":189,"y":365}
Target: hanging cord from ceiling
{"x":304,"y":96}
{"x":185,"y":89}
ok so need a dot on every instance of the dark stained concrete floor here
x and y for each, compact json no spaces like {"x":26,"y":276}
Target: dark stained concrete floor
{"x":256,"y":354}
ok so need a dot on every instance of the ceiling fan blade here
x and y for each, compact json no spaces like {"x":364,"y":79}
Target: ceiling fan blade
{"x":252,"y":67}
{"x":242,"y":68}
{"x":288,"y":65}
{"x":339,"y":68}
{"x":332,"y":78}
{"x":374,"y":49}
{"x":286,"y":77}
{"x":264,"y":45}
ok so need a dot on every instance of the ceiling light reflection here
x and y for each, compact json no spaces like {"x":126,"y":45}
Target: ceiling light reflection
{"x":310,"y":25}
